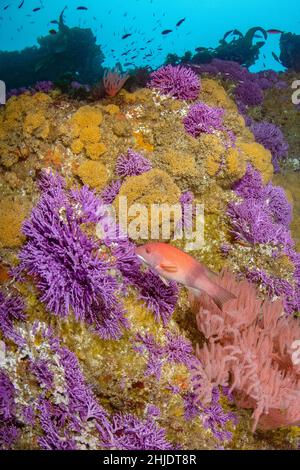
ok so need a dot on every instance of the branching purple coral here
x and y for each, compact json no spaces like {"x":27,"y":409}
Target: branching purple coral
{"x":62,"y":422}
{"x":64,"y":262}
{"x":278,"y":287}
{"x":202,"y":118}
{"x":176,"y":350}
{"x":111,"y":191}
{"x":264,"y":216}
{"x":272,"y":198}
{"x":216,"y":419}
{"x":41,"y":371}
{"x":251,"y":223}
{"x":158,"y":297}
{"x":130,"y":433}
{"x":44,"y":86}
{"x":213,"y":415}
{"x":271,"y":137}
{"x":132,"y":164}
{"x":11,"y":309}
{"x":52,"y":421}
{"x":123,"y":432}
{"x":249,"y":93}
{"x":8,"y":429}
{"x":69,"y":269}
{"x":154,"y":351}
{"x":177,"y":81}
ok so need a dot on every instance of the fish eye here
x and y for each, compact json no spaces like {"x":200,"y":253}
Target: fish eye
{"x":148,"y":250}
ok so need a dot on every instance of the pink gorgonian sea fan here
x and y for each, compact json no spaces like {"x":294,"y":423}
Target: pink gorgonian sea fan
{"x":177,"y":81}
{"x":202,"y":118}
{"x":250,"y":348}
{"x":113,"y":81}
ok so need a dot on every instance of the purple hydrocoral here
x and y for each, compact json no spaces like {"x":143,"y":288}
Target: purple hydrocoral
{"x":187,"y":197}
{"x":213,"y":415}
{"x":264,"y":216}
{"x":41,"y":371}
{"x":132,"y":164}
{"x":176,"y":350}
{"x":64,"y":261}
{"x":271,"y":137}
{"x":146,"y":343}
{"x":249,"y":93}
{"x":234,"y":71}
{"x":253,"y":224}
{"x":111,"y":191}
{"x":158,"y":297}
{"x":177,"y":81}
{"x":44,"y":86}
{"x":216,"y":419}
{"x":8,"y":430}
{"x":278,"y":287}
{"x":52,"y":420}
{"x":131,"y":433}
{"x":61,"y":422}
{"x":272,"y":198}
{"x":11,"y":309}
{"x":202,"y":118}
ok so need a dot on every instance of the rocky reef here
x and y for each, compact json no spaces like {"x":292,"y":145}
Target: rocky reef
{"x":96,"y":351}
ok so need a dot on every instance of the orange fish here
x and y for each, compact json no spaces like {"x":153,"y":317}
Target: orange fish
{"x":176,"y":265}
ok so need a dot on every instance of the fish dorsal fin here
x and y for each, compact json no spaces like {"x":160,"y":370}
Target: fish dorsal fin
{"x":169,"y":268}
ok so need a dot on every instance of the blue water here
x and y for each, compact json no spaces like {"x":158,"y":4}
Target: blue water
{"x":206,"y":22}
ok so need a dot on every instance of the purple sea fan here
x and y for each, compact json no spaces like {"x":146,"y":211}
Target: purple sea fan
{"x":270,"y":136}
{"x":203,"y":119}
{"x":64,"y":262}
{"x":132,"y":164}
{"x":177,"y":81}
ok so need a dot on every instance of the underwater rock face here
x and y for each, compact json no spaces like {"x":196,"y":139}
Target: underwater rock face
{"x":75,"y":302}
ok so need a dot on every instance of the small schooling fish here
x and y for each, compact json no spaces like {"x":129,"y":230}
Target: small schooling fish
{"x":180,"y":22}
{"x":176,"y":265}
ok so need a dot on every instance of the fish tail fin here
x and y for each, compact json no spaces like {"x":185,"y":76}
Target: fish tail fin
{"x":220,"y":296}
{"x":217,"y":293}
